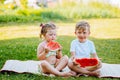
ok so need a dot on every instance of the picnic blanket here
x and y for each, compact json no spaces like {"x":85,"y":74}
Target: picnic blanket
{"x":30,"y":66}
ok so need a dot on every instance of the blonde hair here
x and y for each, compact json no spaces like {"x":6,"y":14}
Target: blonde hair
{"x":83,"y":25}
{"x":45,"y":28}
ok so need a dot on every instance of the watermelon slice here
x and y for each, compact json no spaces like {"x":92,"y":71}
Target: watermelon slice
{"x":86,"y":62}
{"x":53,"y":45}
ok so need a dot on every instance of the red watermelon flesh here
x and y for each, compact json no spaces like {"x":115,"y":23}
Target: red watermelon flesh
{"x":53,"y":45}
{"x":85,"y":62}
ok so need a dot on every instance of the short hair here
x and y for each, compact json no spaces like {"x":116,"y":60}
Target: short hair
{"x":82,"y":25}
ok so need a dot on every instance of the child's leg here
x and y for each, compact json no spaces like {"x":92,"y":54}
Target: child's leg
{"x":96,"y":69}
{"x":62,"y":63}
{"x":81,"y":70}
{"x":47,"y":68}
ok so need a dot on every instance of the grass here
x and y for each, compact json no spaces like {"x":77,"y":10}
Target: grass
{"x":20,"y":42}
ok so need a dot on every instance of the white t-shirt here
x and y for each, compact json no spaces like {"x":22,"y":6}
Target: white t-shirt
{"x":82,"y":50}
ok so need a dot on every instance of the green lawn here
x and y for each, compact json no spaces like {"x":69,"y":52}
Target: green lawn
{"x":20,"y":42}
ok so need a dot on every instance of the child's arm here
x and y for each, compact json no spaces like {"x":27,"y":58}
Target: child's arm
{"x":72,"y":55}
{"x":41,"y":53}
{"x":94,"y":55}
{"x":59,"y":53}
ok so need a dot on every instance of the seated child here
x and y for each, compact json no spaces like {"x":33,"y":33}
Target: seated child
{"x":51,"y":61}
{"x":82,"y":47}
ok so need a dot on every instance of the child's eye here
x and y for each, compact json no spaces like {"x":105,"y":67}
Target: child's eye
{"x":50,"y":34}
{"x":84,"y":32}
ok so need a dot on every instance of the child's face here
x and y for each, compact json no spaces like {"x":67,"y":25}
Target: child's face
{"x":50,"y":35}
{"x":82,"y":35}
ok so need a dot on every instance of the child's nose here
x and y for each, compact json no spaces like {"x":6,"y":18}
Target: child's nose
{"x":53,"y":37}
{"x":81,"y":34}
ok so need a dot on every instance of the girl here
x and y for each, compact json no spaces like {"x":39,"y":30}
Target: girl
{"x":55,"y":62}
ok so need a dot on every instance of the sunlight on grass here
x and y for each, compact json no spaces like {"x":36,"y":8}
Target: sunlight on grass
{"x":105,"y":28}
{"x":18,"y":32}
{"x":100,"y":28}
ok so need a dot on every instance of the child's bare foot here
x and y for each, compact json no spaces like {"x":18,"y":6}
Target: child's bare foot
{"x":52,"y":75}
{"x":67,"y":74}
{"x":73,"y":73}
{"x":80,"y":74}
{"x":97,"y":72}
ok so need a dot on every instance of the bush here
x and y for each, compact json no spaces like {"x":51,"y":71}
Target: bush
{"x":66,"y":12}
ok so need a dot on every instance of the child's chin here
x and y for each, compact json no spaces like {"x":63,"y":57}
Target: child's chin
{"x":82,"y":41}
{"x":52,"y":40}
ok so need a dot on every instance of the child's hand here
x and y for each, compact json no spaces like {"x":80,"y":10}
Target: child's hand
{"x":60,"y":49}
{"x":47,"y":49}
{"x":73,"y":60}
{"x":100,"y":59}
{"x":74,"y":63}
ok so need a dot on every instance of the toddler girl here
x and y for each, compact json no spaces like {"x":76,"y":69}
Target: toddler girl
{"x":51,"y":61}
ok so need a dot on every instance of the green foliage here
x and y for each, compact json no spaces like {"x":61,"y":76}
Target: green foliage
{"x":24,"y":3}
{"x":18,"y":18}
{"x":67,"y":12}
{"x":26,"y":15}
{"x":1,"y":1}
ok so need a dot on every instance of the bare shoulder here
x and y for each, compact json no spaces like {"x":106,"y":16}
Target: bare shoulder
{"x":41,"y":45}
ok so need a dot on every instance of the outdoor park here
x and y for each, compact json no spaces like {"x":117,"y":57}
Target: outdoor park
{"x":20,"y":29}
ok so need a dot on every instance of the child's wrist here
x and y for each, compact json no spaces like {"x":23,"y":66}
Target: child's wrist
{"x":46,"y":51}
{"x":74,"y":63}
{"x":60,"y":49}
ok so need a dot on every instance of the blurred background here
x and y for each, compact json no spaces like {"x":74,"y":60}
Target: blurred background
{"x":22,"y":11}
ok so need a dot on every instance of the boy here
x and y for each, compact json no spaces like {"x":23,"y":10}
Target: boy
{"x":83,"y":48}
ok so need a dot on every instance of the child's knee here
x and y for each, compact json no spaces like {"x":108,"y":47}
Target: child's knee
{"x":99,"y":65}
{"x":65,"y":58}
{"x":70,"y":65}
{"x":44,"y":63}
